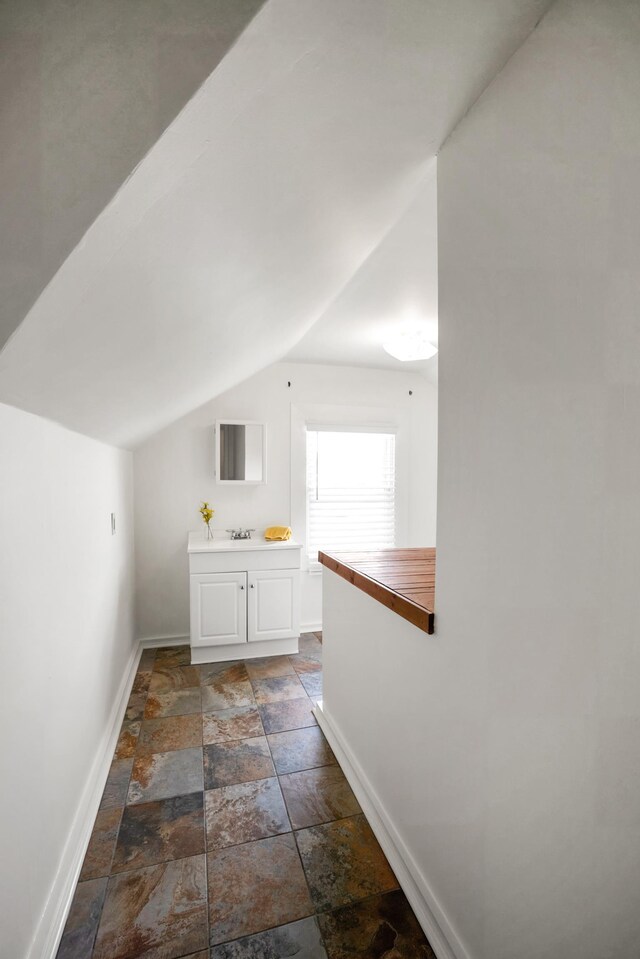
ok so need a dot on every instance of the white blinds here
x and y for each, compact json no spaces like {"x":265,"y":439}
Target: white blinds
{"x":350,"y":490}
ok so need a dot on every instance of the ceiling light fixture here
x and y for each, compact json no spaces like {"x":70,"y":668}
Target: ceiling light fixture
{"x":410,"y":343}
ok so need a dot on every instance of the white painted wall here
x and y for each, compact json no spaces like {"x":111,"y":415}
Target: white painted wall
{"x":518,"y":790}
{"x":66,"y":637}
{"x":540,"y":419}
{"x":174,"y":472}
{"x":381,"y":710}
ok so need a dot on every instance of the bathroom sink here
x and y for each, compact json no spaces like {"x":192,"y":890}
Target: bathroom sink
{"x":198,"y":543}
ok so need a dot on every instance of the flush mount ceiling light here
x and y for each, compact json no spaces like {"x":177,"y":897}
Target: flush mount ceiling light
{"x":410,"y":343}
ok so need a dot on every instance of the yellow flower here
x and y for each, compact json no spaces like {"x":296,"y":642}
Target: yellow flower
{"x":206,"y":512}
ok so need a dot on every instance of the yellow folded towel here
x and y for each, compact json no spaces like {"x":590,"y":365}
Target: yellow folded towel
{"x":278,"y":533}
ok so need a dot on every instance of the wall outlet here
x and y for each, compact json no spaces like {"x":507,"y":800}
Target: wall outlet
{"x":113,"y":524}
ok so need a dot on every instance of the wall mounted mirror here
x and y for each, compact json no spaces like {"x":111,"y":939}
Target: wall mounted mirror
{"x":241,"y":451}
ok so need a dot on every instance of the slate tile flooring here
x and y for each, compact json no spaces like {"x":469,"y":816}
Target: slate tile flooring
{"x":226,"y":725}
{"x":237,"y":762}
{"x":228,"y":831}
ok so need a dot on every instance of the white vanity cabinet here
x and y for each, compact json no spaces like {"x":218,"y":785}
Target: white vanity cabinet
{"x":218,"y":609}
{"x":273,"y":604}
{"x":245,"y":598}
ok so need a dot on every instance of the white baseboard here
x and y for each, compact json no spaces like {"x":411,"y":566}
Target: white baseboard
{"x":158,"y":642}
{"x":444,"y":941}
{"x":226,"y":653}
{"x":46,"y":940}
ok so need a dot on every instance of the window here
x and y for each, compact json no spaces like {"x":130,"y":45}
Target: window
{"x":350,"y":490}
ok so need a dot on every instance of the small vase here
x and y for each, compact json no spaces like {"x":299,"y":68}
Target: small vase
{"x":209,"y":532}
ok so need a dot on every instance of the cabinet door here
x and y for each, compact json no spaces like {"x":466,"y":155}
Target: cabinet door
{"x":273,"y":604}
{"x":218,"y":609}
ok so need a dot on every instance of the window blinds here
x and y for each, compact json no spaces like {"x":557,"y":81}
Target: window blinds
{"x":350,"y":490}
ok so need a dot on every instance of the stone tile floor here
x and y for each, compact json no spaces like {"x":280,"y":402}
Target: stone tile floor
{"x":228,"y":831}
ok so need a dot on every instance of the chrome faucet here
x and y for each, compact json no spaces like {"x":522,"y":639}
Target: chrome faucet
{"x":241,"y":533}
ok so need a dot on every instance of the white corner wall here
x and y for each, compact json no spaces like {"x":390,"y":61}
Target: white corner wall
{"x":174,"y":471}
{"x":66,"y":638}
{"x":531,"y":839}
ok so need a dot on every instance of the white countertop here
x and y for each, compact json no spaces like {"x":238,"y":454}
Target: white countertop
{"x":198,"y":543}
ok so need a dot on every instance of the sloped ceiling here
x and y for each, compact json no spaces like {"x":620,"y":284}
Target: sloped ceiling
{"x":86,"y":88}
{"x":255,"y":208}
{"x":398,"y":283}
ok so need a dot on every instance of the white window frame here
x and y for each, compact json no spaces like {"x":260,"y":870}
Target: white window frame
{"x":355,"y":417}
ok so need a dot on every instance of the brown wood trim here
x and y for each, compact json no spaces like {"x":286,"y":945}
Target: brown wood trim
{"x":403,"y":580}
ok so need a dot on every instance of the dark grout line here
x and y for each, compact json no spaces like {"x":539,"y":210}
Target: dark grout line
{"x":295,"y":842}
{"x":249,"y":842}
{"x":152,"y":865}
{"x":251,"y":935}
{"x":204,"y":835}
{"x":108,"y":873}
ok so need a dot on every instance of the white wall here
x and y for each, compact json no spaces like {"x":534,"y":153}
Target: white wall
{"x":532,"y":836}
{"x":380,"y":682}
{"x":66,"y":637}
{"x":174,"y":472}
{"x":505,"y":749}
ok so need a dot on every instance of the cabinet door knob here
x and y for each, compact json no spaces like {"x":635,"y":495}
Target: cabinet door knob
{"x":253,"y":585}
{"x":242,"y":587}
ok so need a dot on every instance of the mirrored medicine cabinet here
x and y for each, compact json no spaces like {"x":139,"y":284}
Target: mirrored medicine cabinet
{"x":241,"y":452}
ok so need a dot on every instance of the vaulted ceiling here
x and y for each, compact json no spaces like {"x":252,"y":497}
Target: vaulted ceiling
{"x":261,"y":205}
{"x":86,"y":89}
{"x":396,"y":284}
